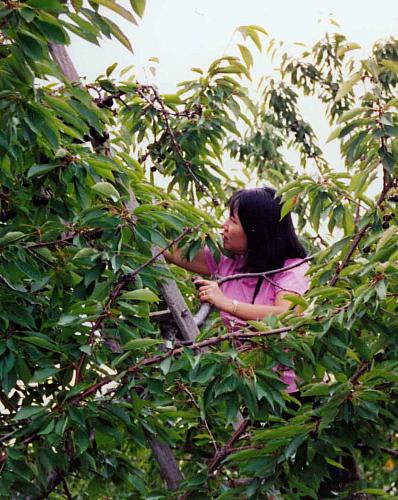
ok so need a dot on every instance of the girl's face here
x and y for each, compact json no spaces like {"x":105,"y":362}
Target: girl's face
{"x":234,"y":237}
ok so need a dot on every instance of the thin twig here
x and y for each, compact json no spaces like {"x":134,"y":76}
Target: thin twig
{"x":176,"y":146}
{"x":66,"y":489}
{"x":64,"y":240}
{"x":185,"y":388}
{"x":265,"y":273}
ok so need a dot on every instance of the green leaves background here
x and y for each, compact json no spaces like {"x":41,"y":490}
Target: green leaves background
{"x":68,"y":238}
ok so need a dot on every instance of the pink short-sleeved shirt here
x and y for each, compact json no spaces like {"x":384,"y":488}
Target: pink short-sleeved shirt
{"x":290,"y":281}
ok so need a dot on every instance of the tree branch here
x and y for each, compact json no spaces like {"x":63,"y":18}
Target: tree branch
{"x":355,"y":242}
{"x":225,"y":450}
{"x":241,"y":335}
{"x":265,"y":273}
{"x":176,"y":146}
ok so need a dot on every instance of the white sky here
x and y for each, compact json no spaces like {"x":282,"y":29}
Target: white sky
{"x":191,"y":33}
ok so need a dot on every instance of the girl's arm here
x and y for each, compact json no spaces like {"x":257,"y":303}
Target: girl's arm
{"x":197,"y":265}
{"x":255,"y":312}
{"x":209,"y":291}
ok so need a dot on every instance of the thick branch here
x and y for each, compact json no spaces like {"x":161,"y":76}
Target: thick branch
{"x":61,"y":56}
{"x":390,"y":451}
{"x":361,"y":370}
{"x":168,"y":465}
{"x":225,"y":450}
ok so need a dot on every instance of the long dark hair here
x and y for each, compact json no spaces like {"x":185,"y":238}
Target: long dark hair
{"x":270,"y":240}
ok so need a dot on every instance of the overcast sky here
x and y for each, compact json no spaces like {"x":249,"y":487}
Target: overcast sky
{"x":187,"y":33}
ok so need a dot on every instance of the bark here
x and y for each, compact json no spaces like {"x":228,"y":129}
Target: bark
{"x":176,"y":303}
{"x":168,"y":465}
{"x":61,"y":56}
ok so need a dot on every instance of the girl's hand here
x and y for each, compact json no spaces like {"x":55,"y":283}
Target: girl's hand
{"x":209,"y":291}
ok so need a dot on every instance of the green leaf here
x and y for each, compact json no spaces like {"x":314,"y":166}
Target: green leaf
{"x":107,"y":190}
{"x":85,"y":253}
{"x":10,"y":237}
{"x":37,"y":170}
{"x":334,"y":463}
{"x":285,"y":432}
{"x":333,"y":135}
{"x":142,"y":294}
{"x":351,"y":113}
{"x":82,"y":441}
{"x":347,"y":86}
{"x":28,"y":412}
{"x":346,"y":48}
{"x":51,"y":5}
{"x":40,"y":342}
{"x":386,"y":237}
{"x":358,"y":183}
{"x":43,"y":374}
{"x":110,"y":69}
{"x":373,"y":491}
{"x":319,"y":389}
{"x":171,"y":99}
{"x":348,"y":221}
{"x":138,"y":6}
{"x":296,"y":300}
{"x":119,"y":35}
{"x":390,"y":65}
{"x":141,"y":343}
{"x":328,"y":292}
{"x":115,"y":7}
{"x":247,"y":55}
{"x":31,"y":45}
{"x":52,"y":29}
{"x":288,"y":205}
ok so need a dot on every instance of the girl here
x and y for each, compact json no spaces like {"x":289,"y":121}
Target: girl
{"x":257,"y":240}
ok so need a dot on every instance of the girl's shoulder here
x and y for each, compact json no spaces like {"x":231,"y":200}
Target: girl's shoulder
{"x":225,"y":265}
{"x":293,"y":279}
{"x":299,"y":264}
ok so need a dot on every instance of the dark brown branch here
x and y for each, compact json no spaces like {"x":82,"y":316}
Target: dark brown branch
{"x":358,"y":237}
{"x":61,"y":56}
{"x":390,"y":451}
{"x":175,"y":145}
{"x":361,"y":370}
{"x":6,"y":402}
{"x":177,"y":351}
{"x":225,"y":450}
{"x":66,"y":489}
{"x":168,"y":465}
{"x":65,"y":240}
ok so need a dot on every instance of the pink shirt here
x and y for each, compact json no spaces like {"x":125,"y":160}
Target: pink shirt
{"x":293,"y":281}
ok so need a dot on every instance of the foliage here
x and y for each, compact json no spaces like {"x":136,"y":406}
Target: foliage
{"x":86,"y":378}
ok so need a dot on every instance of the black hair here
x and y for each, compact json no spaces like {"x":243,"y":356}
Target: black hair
{"x":270,"y":239}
